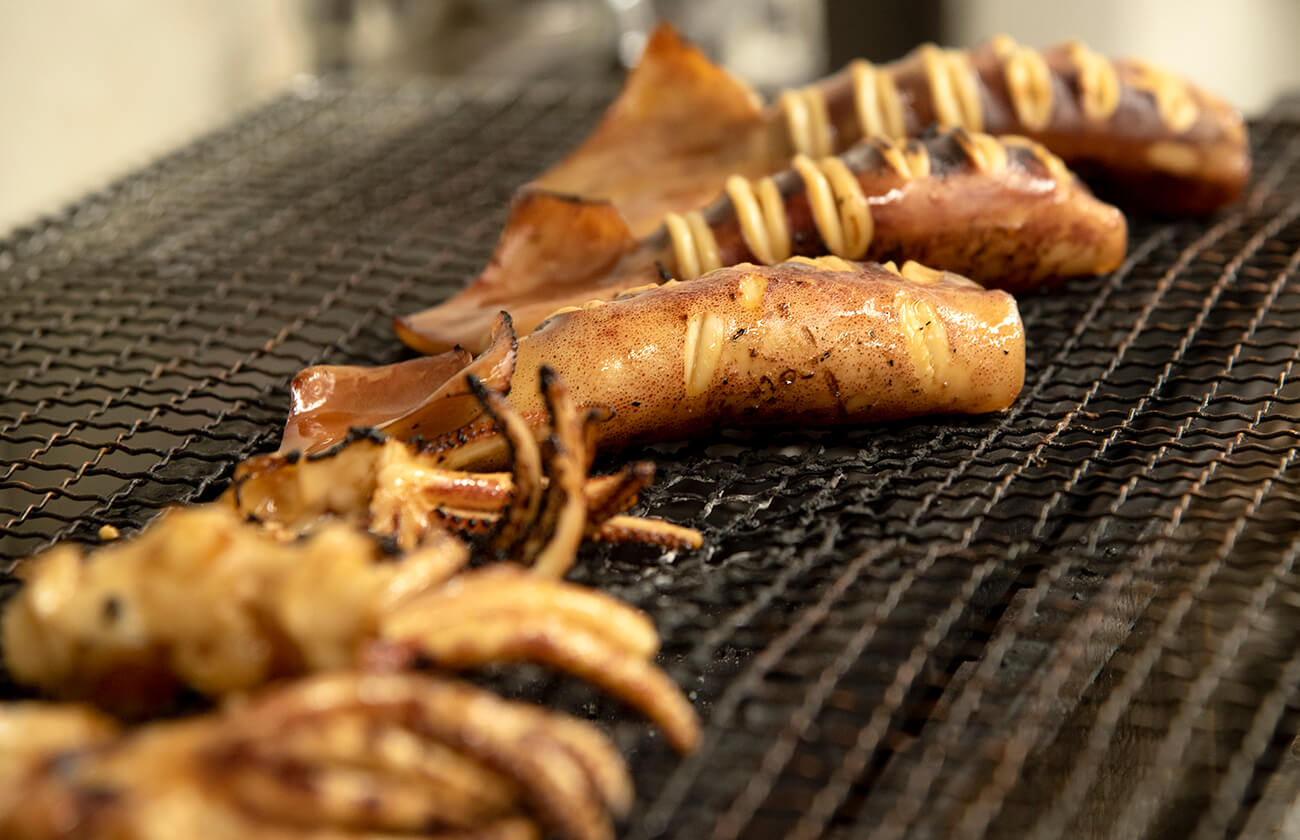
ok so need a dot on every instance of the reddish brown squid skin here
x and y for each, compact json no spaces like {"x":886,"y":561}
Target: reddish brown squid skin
{"x":1132,"y":154}
{"x":653,"y":153}
{"x":806,"y":342}
{"x":1002,"y":211}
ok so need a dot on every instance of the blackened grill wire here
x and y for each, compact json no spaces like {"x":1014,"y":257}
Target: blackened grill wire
{"x":1077,"y":616}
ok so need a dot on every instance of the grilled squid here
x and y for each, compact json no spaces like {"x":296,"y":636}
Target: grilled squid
{"x":808,"y":342}
{"x":397,"y":491}
{"x":207,"y":601}
{"x":285,"y":575}
{"x":341,"y":755}
{"x":1004,"y":211}
{"x":538,"y":513}
{"x":1139,"y":133}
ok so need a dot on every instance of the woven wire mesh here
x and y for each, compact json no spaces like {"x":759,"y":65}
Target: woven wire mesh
{"x":1079,"y":615}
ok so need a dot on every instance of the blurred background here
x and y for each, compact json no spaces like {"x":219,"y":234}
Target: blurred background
{"x":91,"y":90}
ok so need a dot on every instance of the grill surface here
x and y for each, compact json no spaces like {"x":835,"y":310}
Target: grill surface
{"x":1081,"y":615}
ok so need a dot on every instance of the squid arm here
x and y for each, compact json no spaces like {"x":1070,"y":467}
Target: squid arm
{"x":1003,"y":211}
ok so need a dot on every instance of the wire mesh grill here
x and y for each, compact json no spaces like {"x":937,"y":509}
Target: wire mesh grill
{"x":1081,"y":615}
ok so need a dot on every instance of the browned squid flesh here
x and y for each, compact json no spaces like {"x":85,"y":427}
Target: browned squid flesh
{"x":500,"y":615}
{"x":206,"y":600}
{"x":807,"y":342}
{"x":1139,"y":133}
{"x":394,"y":489}
{"x":682,"y":125}
{"x":1002,"y":211}
{"x":538,"y":513}
{"x":340,"y":755}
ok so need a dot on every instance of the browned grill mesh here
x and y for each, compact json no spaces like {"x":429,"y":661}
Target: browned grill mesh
{"x":1079,"y":616}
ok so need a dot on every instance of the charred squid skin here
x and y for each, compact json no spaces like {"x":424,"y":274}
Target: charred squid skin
{"x":1002,"y":210}
{"x":806,"y":343}
{"x":1141,"y":133}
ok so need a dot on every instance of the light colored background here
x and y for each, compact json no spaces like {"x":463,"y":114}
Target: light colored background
{"x":1246,"y":50}
{"x":90,"y":89}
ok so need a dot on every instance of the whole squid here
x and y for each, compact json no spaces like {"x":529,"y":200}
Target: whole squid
{"x":682,"y":125}
{"x":1003,"y":211}
{"x":811,"y":342}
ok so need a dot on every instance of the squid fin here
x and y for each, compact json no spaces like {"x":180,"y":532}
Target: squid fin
{"x":454,"y":404}
{"x":655,"y":149}
{"x":673,"y":94}
{"x":328,"y":400}
{"x":554,"y":247}
{"x":428,"y":396}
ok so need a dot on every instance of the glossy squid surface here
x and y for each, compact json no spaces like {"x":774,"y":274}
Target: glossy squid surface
{"x":1003,"y":211}
{"x":1140,"y":133}
{"x":809,"y":342}
{"x":346,"y":755}
{"x":324,"y":562}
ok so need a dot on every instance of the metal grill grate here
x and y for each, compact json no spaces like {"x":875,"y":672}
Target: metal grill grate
{"x":1080,"y":616}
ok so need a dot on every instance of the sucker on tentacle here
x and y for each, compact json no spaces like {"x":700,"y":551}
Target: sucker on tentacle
{"x":1004,"y":211}
{"x":806,"y":342}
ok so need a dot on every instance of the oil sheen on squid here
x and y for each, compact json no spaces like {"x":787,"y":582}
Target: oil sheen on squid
{"x":811,"y":342}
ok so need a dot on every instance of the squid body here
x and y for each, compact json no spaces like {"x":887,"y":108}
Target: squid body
{"x":1003,"y":211}
{"x":811,"y":342}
